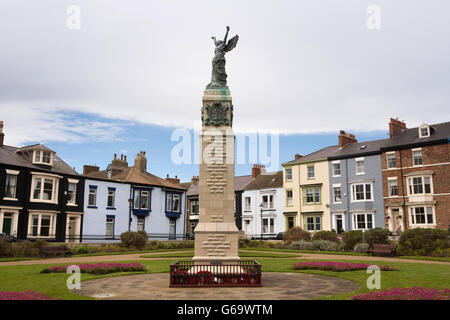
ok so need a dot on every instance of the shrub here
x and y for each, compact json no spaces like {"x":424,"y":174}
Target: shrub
{"x":100,"y":268}
{"x":300,"y":245}
{"x":423,"y":242}
{"x":325,"y":235}
{"x":134,"y":239}
{"x":336,"y":266}
{"x":376,"y":236}
{"x":351,"y":238}
{"x":296,"y":234}
{"x":25,"y":249}
{"x":361,"y":248}
{"x":81,"y":250}
{"x":324,"y":245}
{"x":5,"y":248}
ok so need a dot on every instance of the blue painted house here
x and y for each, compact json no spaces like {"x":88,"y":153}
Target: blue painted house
{"x":356,"y":189}
{"x":133,"y":199}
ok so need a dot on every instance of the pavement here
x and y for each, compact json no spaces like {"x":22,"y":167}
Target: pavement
{"x":275,"y":286}
{"x":137,"y":256}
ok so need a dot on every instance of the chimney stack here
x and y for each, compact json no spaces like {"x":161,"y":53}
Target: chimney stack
{"x":346,"y":138}
{"x":257,"y":169}
{"x":395,"y":127}
{"x":195,"y":179}
{"x":2,"y":135}
{"x":298,"y":156}
{"x":140,"y":162}
{"x":88,"y":169}
{"x":173,"y":180}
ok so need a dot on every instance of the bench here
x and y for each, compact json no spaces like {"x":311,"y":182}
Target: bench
{"x":55,"y":250}
{"x":383,"y":248}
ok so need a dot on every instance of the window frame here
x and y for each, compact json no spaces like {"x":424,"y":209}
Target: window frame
{"x":38,"y":157}
{"x":249,"y":207}
{"x":308,"y":172}
{"x":314,"y":223}
{"x":288,"y":177}
{"x":337,"y":187}
{"x":113,"y":196}
{"x":366,"y":222}
{"x":413,"y":157}
{"x":413,"y":221}
{"x":94,"y":206}
{"x":314,"y":194}
{"x":360,"y":160}
{"x":31,"y":225}
{"x":291,"y":202}
{"x":390,"y":187}
{"x":333,"y":169}
{"x":388,"y":162}
{"x":15,"y":174}
{"x":364,"y":184}
{"x":55,"y":188}
{"x":270,"y":225}
{"x":410,"y":185}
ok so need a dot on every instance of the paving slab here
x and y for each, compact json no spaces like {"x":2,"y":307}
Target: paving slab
{"x":275,"y":286}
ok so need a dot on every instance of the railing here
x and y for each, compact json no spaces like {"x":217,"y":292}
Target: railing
{"x":244,"y":273}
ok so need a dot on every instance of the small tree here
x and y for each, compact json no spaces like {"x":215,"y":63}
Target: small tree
{"x":351,"y":238}
{"x":296,"y":234}
{"x":325,"y":235}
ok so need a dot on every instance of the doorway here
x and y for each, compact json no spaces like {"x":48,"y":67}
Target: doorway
{"x":72,"y":228}
{"x":395,"y":221}
{"x":7,"y":223}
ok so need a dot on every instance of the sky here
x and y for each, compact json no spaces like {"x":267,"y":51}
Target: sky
{"x":135,"y":71}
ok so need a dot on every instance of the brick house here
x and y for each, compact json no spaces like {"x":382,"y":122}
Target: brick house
{"x":415,"y":166}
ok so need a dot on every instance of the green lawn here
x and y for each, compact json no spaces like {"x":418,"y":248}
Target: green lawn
{"x":20,"y":278}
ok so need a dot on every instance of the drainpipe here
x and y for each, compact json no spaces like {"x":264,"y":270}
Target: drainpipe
{"x":404,"y":213}
{"x":349,"y":218}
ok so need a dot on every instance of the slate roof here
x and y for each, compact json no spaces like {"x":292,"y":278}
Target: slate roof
{"x":192,"y":188}
{"x":439,"y":133}
{"x":359,"y":149}
{"x":241,"y":181}
{"x":133,"y":175}
{"x":266,"y":181}
{"x":323,"y":153}
{"x":13,"y":156}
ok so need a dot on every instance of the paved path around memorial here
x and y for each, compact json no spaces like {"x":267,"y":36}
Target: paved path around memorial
{"x":137,"y":256}
{"x":276,"y":286}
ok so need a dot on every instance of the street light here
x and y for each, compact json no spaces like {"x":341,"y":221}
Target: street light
{"x":261,"y":206}
{"x":130,"y":201}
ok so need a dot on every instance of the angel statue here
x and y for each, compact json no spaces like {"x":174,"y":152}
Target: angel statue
{"x":219,"y":76}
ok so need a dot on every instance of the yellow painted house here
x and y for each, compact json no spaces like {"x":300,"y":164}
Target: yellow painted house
{"x":306,"y":191}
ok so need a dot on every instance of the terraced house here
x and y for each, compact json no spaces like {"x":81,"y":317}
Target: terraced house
{"x":356,"y":188}
{"x":41,"y":196}
{"x":263,"y":199}
{"x":416,"y":176}
{"x":123,"y":198}
{"x":306,"y":187}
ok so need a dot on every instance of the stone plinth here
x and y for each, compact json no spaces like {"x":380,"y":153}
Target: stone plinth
{"x":216,"y":235}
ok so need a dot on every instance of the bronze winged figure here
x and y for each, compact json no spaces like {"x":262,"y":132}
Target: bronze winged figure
{"x":219,"y":76}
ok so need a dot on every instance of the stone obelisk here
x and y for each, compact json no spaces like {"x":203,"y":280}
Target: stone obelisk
{"x":216,"y":235}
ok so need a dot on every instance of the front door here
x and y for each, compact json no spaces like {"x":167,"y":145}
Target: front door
{"x":72,"y":226}
{"x":172,"y":230}
{"x":339,"y":224}
{"x":7,"y":223}
{"x":395,"y":221}
{"x":247,"y":228}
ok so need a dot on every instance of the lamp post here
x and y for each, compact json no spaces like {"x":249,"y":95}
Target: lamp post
{"x":130,"y":201}
{"x":261,"y":206}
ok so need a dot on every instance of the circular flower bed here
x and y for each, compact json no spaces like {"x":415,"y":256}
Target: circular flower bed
{"x":414,"y":293}
{"x":336,"y":266}
{"x":100,"y":268}
{"x":25,"y":295}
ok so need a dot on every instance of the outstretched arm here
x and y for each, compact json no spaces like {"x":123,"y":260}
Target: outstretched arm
{"x":226,"y":35}
{"x":215,"y":41}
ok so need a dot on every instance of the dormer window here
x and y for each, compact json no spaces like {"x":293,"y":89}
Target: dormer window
{"x":42,"y":157}
{"x":424,"y":131}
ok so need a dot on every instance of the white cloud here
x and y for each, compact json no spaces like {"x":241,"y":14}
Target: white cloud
{"x":299,"y":66}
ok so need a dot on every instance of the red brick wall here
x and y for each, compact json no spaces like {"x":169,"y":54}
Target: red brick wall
{"x":437,"y":154}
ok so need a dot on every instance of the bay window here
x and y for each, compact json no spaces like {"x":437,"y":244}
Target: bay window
{"x":422,"y":216}
{"x":419,"y":185}
{"x":42,"y":225}
{"x":172,"y":202}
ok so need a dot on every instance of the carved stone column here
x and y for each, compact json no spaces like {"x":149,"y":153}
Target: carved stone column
{"x":216,"y":235}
